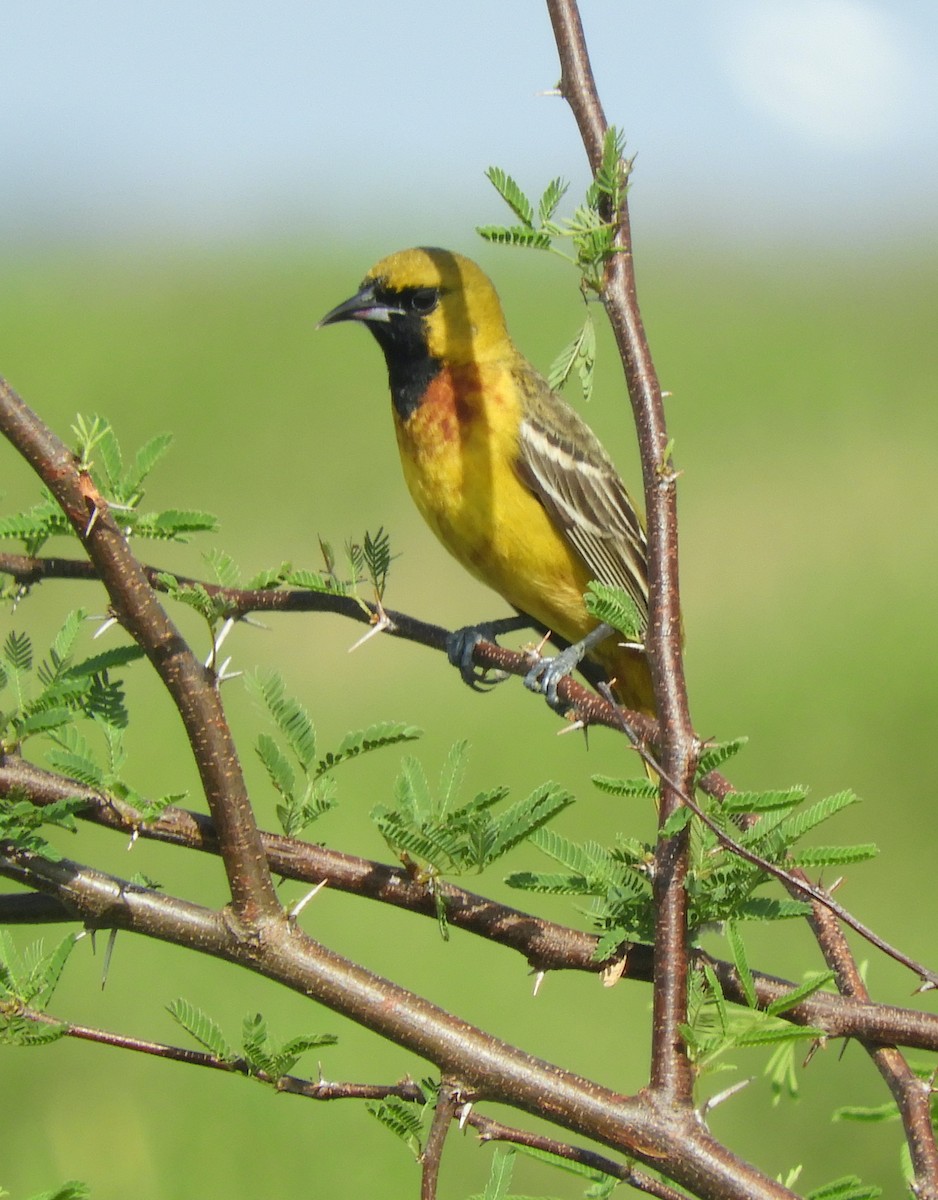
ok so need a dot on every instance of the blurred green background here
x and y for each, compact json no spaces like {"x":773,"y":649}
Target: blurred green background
{"x":800,"y":403}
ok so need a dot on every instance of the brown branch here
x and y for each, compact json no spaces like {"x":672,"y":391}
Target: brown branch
{"x":448,"y":1101}
{"x":494,"y":1131}
{"x":294,"y":1085}
{"x":912,"y":1095}
{"x":190,"y":685}
{"x":672,"y":1142}
{"x":671,"y":1075}
{"x":545,"y":945}
{"x":585,"y":705}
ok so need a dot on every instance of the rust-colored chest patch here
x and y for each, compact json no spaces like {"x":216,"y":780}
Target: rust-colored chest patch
{"x":449,"y":409}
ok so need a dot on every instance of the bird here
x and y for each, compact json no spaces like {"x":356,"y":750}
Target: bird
{"x":505,"y":472}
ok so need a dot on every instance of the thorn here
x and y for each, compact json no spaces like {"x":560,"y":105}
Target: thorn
{"x":133,"y":839}
{"x":222,"y":675}
{"x":539,"y":978}
{"x":725,"y":1095}
{"x":297,"y":908}
{"x":464,"y":1112}
{"x":539,"y":646}
{"x":108,"y":951}
{"x":92,"y":520}
{"x":383,"y":622}
{"x":106,"y":624}
{"x":572,"y":726}
{"x":226,"y":628}
{"x":249,"y":620}
{"x":554,"y":91}
{"x":832,"y":887}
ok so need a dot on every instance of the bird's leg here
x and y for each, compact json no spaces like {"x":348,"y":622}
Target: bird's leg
{"x":547,"y":673}
{"x":461,"y":643}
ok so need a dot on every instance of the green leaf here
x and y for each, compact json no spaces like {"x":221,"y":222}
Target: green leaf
{"x":18,"y":652}
{"x":515,"y":235}
{"x":550,"y":199}
{"x":363,"y":741}
{"x":759,"y":802}
{"x":741,"y":962}
{"x":376,"y":552}
{"x":173,"y":524}
{"x":276,"y":764}
{"x":225,"y":570}
{"x":637,"y":789}
{"x":402,"y":1119}
{"x":677,"y":822}
{"x":31,"y":978}
{"x":875,"y":1115}
{"x":762,"y":908}
{"x":73,"y":1189}
{"x":202,"y":1028}
{"x":549,"y":884}
{"x":715,"y":756}
{"x":512,"y":194}
{"x":798,"y":824}
{"x":107,"y":660}
{"x":790,"y":999}
{"x":847,"y":1188}
{"x":145,"y":460}
{"x":834,"y":856}
{"x":500,"y":1173}
{"x":579,"y":355}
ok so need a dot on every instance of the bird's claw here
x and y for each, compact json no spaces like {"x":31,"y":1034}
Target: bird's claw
{"x":546,"y":673}
{"x":459,"y":647}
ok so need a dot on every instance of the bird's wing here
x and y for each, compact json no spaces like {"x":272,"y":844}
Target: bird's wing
{"x":565,"y":465}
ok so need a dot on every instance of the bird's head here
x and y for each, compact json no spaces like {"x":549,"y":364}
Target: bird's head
{"x":429,"y":303}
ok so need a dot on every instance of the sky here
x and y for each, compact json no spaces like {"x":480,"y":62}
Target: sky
{"x":227,"y":119}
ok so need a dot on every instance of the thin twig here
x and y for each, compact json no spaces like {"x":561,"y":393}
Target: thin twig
{"x":294,"y":1085}
{"x":495,"y":1131}
{"x":671,"y":1074}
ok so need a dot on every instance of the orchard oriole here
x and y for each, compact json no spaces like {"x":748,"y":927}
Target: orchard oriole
{"x":510,"y":479}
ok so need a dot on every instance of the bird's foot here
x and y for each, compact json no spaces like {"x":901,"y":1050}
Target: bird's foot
{"x":546,"y":673}
{"x":461,"y":643}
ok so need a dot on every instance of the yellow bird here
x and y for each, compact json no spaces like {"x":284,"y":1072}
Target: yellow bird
{"x":510,"y":479}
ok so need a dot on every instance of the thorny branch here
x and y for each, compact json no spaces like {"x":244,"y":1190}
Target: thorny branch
{"x":545,"y":945}
{"x":671,"y":1076}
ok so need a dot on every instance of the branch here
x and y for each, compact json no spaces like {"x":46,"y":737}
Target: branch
{"x":294,"y":1085}
{"x":495,"y":1131}
{"x":588,"y":708}
{"x":672,"y":1142}
{"x":190,"y":685}
{"x":448,"y":1101}
{"x":545,"y":945}
{"x":671,"y":1073}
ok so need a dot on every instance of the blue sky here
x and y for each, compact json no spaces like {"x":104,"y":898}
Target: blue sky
{"x":232,"y":119}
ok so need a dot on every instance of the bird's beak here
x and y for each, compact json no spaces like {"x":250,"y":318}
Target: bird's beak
{"x":363,"y":306}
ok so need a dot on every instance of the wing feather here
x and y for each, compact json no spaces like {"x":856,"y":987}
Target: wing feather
{"x":564,"y":464}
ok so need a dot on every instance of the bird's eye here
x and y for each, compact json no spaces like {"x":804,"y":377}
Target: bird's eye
{"x":424,"y":300}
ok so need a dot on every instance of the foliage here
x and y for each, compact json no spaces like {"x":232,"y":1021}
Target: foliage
{"x":450,"y":839}
{"x":264,"y":1058}
{"x":590,"y":232}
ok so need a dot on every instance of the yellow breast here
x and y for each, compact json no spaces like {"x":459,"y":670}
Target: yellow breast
{"x":458,"y":451}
